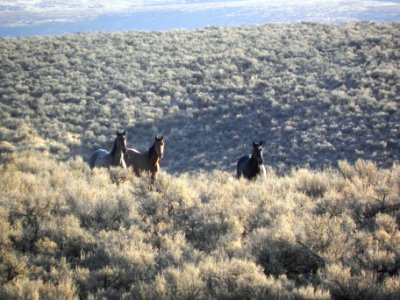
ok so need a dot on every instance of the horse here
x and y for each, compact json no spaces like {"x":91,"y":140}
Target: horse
{"x":104,"y":159}
{"x":148,"y":161}
{"x":251,"y":166}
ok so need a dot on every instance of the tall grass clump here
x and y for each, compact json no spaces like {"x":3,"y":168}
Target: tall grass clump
{"x":70,"y":232}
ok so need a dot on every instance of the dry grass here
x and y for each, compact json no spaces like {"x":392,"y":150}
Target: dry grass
{"x":67,"y":232}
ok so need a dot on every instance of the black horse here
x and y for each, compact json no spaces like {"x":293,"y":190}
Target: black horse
{"x":251,"y":166}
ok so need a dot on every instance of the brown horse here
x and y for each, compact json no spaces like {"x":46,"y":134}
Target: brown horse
{"x":148,"y":161}
{"x":102,"y":158}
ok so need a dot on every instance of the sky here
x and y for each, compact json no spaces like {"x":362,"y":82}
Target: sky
{"x":55,"y":17}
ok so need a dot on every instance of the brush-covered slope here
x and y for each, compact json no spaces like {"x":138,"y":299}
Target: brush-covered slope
{"x":315,"y":93}
{"x":69,"y":233}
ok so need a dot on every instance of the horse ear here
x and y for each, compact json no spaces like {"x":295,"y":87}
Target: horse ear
{"x":124,"y":132}
{"x":254,"y":144}
{"x":261,"y":143}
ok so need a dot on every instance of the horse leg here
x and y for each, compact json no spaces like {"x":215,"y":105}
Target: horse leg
{"x":136,"y":171}
{"x":153,"y":177}
{"x":154,"y":172}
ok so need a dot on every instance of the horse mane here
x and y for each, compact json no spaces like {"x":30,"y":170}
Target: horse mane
{"x":152,"y":150}
{"x":114,"y":149}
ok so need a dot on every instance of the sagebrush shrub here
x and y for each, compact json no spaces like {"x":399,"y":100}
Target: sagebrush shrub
{"x":311,"y":184}
{"x":68,"y":232}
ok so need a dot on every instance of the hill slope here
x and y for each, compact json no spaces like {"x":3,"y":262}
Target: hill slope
{"x":315,"y":93}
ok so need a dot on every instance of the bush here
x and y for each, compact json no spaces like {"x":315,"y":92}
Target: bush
{"x":69,"y":232}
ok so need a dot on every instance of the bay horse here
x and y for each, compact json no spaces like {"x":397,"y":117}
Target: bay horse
{"x":103,"y":159}
{"x":251,"y":166}
{"x":148,"y":161}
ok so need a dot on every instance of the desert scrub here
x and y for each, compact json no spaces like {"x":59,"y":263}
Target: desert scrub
{"x":67,"y":231}
{"x":318,"y":92}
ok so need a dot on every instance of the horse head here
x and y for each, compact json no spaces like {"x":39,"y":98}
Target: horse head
{"x":120,"y":141}
{"x":258,"y":152}
{"x":159,"y":146}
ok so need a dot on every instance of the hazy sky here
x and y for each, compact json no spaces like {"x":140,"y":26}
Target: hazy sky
{"x":35,"y":16}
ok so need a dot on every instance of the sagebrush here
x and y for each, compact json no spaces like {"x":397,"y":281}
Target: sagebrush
{"x":315,"y":93}
{"x":68,"y":232}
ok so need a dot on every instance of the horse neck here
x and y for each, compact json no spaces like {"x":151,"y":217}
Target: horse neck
{"x":118,"y":158}
{"x":153,"y":157}
{"x":117,"y":154}
{"x":151,"y":154}
{"x":254,"y":162}
{"x":114,"y":149}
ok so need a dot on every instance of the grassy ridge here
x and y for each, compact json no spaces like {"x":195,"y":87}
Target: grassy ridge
{"x":315,"y":93}
{"x":67,"y":232}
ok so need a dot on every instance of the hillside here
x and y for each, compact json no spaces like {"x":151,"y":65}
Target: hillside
{"x":323,"y":225}
{"x":315,"y":93}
